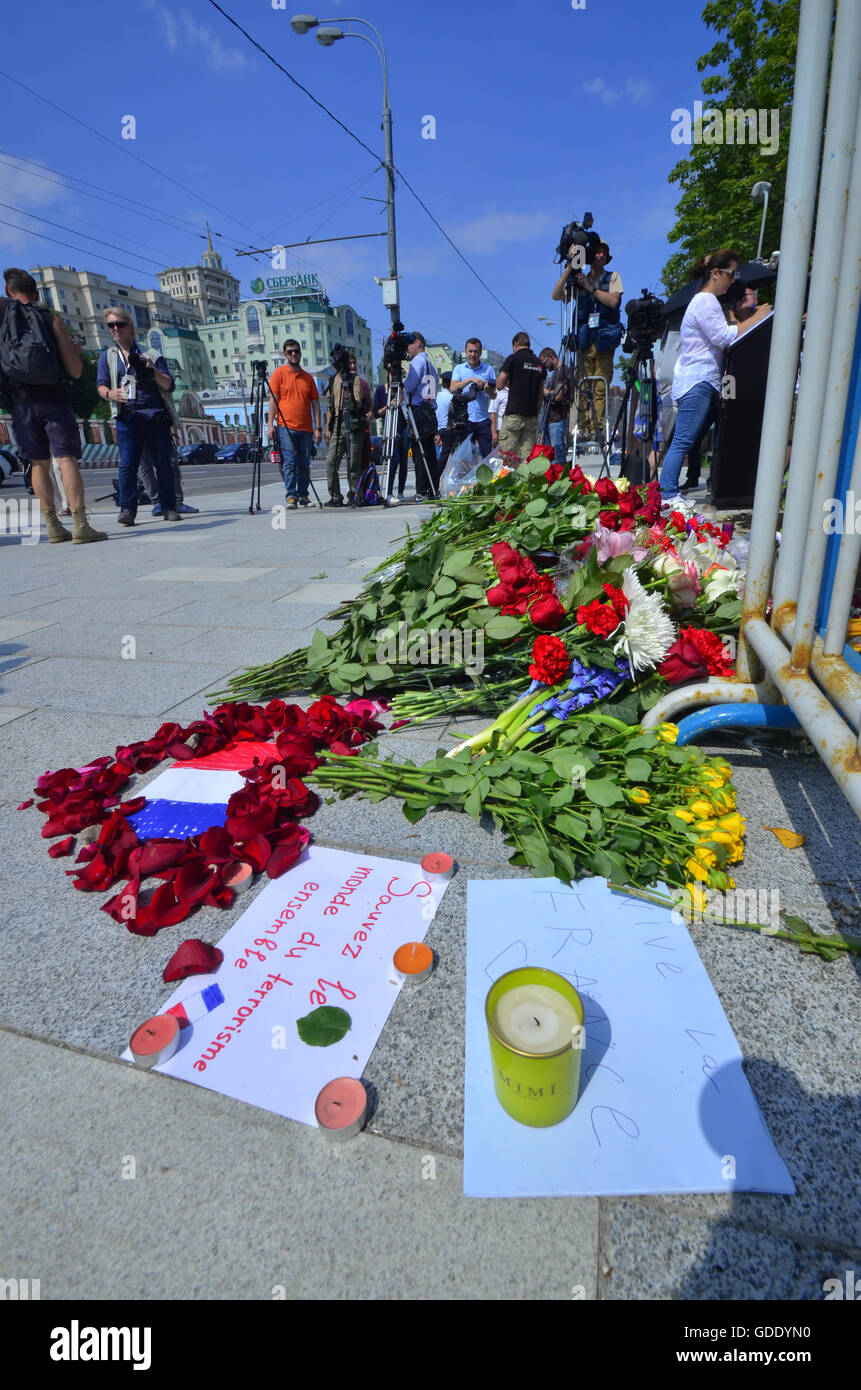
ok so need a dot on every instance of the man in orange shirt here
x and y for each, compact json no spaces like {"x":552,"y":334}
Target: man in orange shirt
{"x":293,"y":397}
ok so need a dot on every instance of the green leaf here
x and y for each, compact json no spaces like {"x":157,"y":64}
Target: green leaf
{"x":459,"y":784}
{"x":480,"y":617}
{"x":563,"y":797}
{"x":445,"y":586}
{"x":603,"y":792}
{"x":380,"y":671}
{"x":458,"y":560}
{"x":484,"y":475}
{"x":596,"y":821}
{"x":324,"y":1026}
{"x":503,"y":627}
{"x":570,"y":825}
{"x":507,"y":786}
{"x":473,"y":804}
{"x":369,"y":610}
{"x":537,"y":507}
{"x":351,"y":671}
{"x":638,"y":769}
{"x":414,"y":813}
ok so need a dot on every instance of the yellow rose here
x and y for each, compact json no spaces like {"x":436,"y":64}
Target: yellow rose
{"x":720,"y":837}
{"x":705,"y":855}
{"x":734,"y":824}
{"x":668,"y":733}
{"x":701,"y":809}
{"x":705,"y":825}
{"x":696,"y":897}
{"x":696,"y":870}
{"x":682,"y":814}
{"x":640,"y":796}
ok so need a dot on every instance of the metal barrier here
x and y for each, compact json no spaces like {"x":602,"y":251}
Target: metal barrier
{"x":797,"y":668}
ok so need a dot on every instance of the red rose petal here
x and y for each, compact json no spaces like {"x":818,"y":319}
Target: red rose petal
{"x":62,"y":848}
{"x":193,"y":957}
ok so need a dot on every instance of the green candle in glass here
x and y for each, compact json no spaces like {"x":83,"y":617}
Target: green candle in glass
{"x":535,"y":1025}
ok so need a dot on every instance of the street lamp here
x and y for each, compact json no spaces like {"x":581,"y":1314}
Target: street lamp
{"x":759,"y":193}
{"x":301,"y":24}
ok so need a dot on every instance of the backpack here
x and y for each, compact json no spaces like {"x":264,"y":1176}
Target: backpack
{"x":368,"y":488}
{"x":28,"y":350}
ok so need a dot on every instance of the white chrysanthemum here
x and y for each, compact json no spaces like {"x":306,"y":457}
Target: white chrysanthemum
{"x":647,"y":632}
{"x":704,"y":553}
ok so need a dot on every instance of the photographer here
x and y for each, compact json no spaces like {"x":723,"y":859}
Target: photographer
{"x":421,"y":384}
{"x":138,"y":386}
{"x":349,"y":409}
{"x":444,"y":439}
{"x":477,"y":381}
{"x":293,"y":395}
{"x":705,"y":335}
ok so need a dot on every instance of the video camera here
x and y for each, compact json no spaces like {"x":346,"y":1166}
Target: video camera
{"x":645,"y":322}
{"x":578,"y":234}
{"x":258,"y":370}
{"x":395,"y":349}
{"x":340,"y":359}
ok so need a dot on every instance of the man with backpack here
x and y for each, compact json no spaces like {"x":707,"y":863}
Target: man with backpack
{"x":35,"y":351}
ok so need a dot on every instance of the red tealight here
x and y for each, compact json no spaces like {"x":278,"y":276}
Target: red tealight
{"x":341,"y":1107}
{"x":437,"y":866}
{"x":237,"y":875}
{"x":155,"y":1041}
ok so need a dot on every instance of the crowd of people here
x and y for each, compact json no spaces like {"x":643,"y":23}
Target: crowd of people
{"x":502,"y":410}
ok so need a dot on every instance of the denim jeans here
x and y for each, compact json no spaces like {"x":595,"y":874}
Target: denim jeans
{"x":479,"y":430}
{"x":296,"y":448}
{"x":132,"y":434}
{"x":554,"y":433}
{"x":695,"y":411}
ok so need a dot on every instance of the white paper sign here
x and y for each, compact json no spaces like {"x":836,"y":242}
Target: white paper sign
{"x":664,"y":1105}
{"x":323,"y":933}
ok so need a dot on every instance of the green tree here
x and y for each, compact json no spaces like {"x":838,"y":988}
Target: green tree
{"x":625,"y":368}
{"x":754,"y":59}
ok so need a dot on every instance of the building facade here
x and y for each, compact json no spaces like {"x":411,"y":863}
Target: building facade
{"x":297,"y":307}
{"x":208,"y":287}
{"x":185,"y":354}
{"x":81,"y":297}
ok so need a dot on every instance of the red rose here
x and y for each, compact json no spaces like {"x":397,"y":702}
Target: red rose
{"x":554,"y":473}
{"x":609,"y":519}
{"x":325,"y":720}
{"x":547,"y":611}
{"x":629,"y":502}
{"x":683,"y":663}
{"x":606,"y":489}
{"x":599,"y":618}
{"x":580,"y":479}
{"x":248,"y":814}
{"x":550,"y":660}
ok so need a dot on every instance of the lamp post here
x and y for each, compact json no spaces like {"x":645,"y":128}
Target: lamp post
{"x":326,"y":37}
{"x":759,"y":193}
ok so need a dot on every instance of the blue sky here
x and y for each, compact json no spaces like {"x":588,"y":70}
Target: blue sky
{"x":541,"y":111}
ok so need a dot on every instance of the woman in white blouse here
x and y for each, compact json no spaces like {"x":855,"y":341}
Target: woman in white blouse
{"x":705,"y":336}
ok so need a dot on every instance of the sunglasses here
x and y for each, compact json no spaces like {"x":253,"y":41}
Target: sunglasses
{"x":294,"y":352}
{"x":124,"y":323}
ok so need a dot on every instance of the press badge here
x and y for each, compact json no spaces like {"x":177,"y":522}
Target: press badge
{"x":594,"y":320}
{"x":130,"y":387}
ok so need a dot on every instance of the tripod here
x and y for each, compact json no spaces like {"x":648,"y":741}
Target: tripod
{"x":390,"y":435}
{"x":642,"y":363}
{"x":582,"y":385}
{"x":344,"y":421}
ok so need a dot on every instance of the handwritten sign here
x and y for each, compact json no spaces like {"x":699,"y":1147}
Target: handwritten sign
{"x":324,"y":933}
{"x":664,"y":1105}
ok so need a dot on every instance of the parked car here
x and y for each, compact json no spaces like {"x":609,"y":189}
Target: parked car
{"x":232,"y":453}
{"x":201,"y":452}
{"x":9,"y":463}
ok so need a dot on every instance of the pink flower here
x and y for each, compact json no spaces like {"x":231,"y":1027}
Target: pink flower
{"x":614,"y":543}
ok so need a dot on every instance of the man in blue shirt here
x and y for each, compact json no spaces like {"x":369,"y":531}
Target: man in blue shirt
{"x":479,"y":380}
{"x":138,"y":386}
{"x":421,"y":384}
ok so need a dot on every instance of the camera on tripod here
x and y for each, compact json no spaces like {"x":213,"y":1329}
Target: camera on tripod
{"x":258,"y":371}
{"x":340,"y":359}
{"x":645,"y":322}
{"x":578,"y":234}
{"x":395,"y":349}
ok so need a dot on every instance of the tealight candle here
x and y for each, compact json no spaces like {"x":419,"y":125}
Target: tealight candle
{"x":237,"y":875}
{"x":341,"y":1108}
{"x":437,"y":867}
{"x":413,"y":962}
{"x":535,"y":1026}
{"x":155,"y":1041}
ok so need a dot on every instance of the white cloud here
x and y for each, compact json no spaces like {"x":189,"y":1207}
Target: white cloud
{"x":183,"y":34}
{"x":493,"y":229}
{"x":635,"y":89}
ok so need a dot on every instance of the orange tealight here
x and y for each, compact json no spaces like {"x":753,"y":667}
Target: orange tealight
{"x":413,"y":962}
{"x":155,"y":1041}
{"x":237,"y":875}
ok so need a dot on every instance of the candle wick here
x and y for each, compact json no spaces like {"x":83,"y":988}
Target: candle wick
{"x":336,"y":1102}
{"x":537,"y":1021}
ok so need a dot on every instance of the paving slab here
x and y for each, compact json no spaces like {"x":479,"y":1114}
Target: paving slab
{"x":206,"y":574}
{"x":74,"y":1125}
{"x":110,"y":686}
{"x":324,"y":593}
{"x":649,"y":1251}
{"x":10,"y":712}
